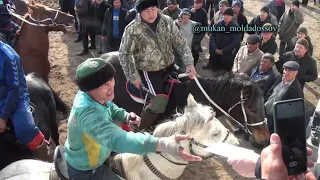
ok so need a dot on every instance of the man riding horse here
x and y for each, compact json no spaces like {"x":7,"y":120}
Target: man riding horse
{"x":8,"y":29}
{"x":146,"y":51}
{"x":15,"y":103}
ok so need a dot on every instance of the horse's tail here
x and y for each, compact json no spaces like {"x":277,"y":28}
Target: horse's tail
{"x":60,"y":105}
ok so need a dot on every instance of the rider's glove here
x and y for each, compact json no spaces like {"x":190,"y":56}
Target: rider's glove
{"x":170,"y":145}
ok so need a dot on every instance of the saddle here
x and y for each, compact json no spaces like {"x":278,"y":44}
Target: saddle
{"x":141,"y":96}
{"x":60,"y":165}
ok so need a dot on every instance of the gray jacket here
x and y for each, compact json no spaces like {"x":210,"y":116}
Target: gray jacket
{"x":289,"y":24}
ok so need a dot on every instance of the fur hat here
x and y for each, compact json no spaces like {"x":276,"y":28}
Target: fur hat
{"x":303,"y":42}
{"x":303,"y":30}
{"x":228,"y":11}
{"x":144,"y":4}
{"x":93,"y":73}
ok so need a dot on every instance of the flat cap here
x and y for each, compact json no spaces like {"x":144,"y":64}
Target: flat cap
{"x":292,"y":65}
{"x":253,"y":39}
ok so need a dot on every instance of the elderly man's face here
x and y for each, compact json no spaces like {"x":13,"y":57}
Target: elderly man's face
{"x":301,"y":35}
{"x":300,"y":50}
{"x":289,"y":75}
{"x":222,"y":7}
{"x":106,"y":91}
{"x":172,"y":7}
{"x":265,"y":65}
{"x":150,"y":14}
{"x":252,"y":47}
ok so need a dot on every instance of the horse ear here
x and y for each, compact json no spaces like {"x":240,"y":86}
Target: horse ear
{"x":191,"y":101}
{"x":262,"y":81}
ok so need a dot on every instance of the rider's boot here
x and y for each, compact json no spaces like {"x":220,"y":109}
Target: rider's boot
{"x":38,"y":147}
{"x":151,"y":112}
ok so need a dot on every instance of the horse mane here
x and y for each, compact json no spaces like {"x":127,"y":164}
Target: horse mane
{"x":226,"y":85}
{"x":193,"y":118}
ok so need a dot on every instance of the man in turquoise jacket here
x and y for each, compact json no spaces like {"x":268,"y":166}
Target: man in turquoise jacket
{"x":92,"y":135}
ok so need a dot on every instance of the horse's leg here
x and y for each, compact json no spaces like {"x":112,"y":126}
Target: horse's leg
{"x":60,"y":105}
{"x":53,"y":124}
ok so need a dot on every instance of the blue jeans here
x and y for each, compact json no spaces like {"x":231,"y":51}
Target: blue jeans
{"x":23,"y":123}
{"x":100,"y":173}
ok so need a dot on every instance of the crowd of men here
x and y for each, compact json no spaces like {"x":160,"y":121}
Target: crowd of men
{"x":109,"y":20}
{"x":255,"y":59}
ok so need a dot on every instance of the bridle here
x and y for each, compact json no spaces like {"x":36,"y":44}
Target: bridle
{"x":241,"y":102}
{"x":192,"y":143}
{"x":38,"y":23}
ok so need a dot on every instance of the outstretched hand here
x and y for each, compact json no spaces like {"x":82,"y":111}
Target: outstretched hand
{"x":184,"y":155}
{"x":171,"y":145}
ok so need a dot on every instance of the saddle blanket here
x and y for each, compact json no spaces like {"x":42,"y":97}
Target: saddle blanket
{"x":140,"y":95}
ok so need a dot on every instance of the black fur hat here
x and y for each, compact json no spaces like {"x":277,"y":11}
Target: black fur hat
{"x":93,"y":73}
{"x":144,"y":4}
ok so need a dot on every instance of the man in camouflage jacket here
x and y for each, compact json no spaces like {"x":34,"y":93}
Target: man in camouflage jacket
{"x":146,"y":55}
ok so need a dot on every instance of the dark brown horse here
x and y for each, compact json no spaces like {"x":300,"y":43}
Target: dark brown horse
{"x":33,"y":42}
{"x":239,"y":96}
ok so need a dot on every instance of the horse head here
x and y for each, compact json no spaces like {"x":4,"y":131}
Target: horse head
{"x":239,"y":97}
{"x":200,"y":122}
{"x":53,"y":20}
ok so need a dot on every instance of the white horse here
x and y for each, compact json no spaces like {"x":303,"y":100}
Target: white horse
{"x":197,"y":120}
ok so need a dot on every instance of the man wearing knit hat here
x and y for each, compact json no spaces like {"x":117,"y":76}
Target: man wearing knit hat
{"x":186,"y":27}
{"x":288,"y":25}
{"x":308,"y":68}
{"x":172,"y":9}
{"x":223,"y":45}
{"x":223,"y":4}
{"x":261,"y":19}
{"x":146,"y":55}
{"x":92,"y":134}
{"x":239,"y":16}
{"x":302,"y":32}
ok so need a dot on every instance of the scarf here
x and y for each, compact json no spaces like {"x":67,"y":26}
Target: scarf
{"x":279,"y":2}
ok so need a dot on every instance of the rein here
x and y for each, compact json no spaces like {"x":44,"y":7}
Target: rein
{"x":38,"y":22}
{"x":241,"y":102}
{"x":192,"y":142}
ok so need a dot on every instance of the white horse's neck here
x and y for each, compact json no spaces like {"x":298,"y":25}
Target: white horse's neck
{"x":165,"y":167}
{"x":135,"y":168}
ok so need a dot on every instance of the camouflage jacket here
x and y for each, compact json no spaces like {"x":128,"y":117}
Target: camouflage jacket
{"x":142,"y":49}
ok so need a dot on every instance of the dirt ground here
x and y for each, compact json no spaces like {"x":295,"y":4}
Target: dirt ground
{"x":64,"y":60}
